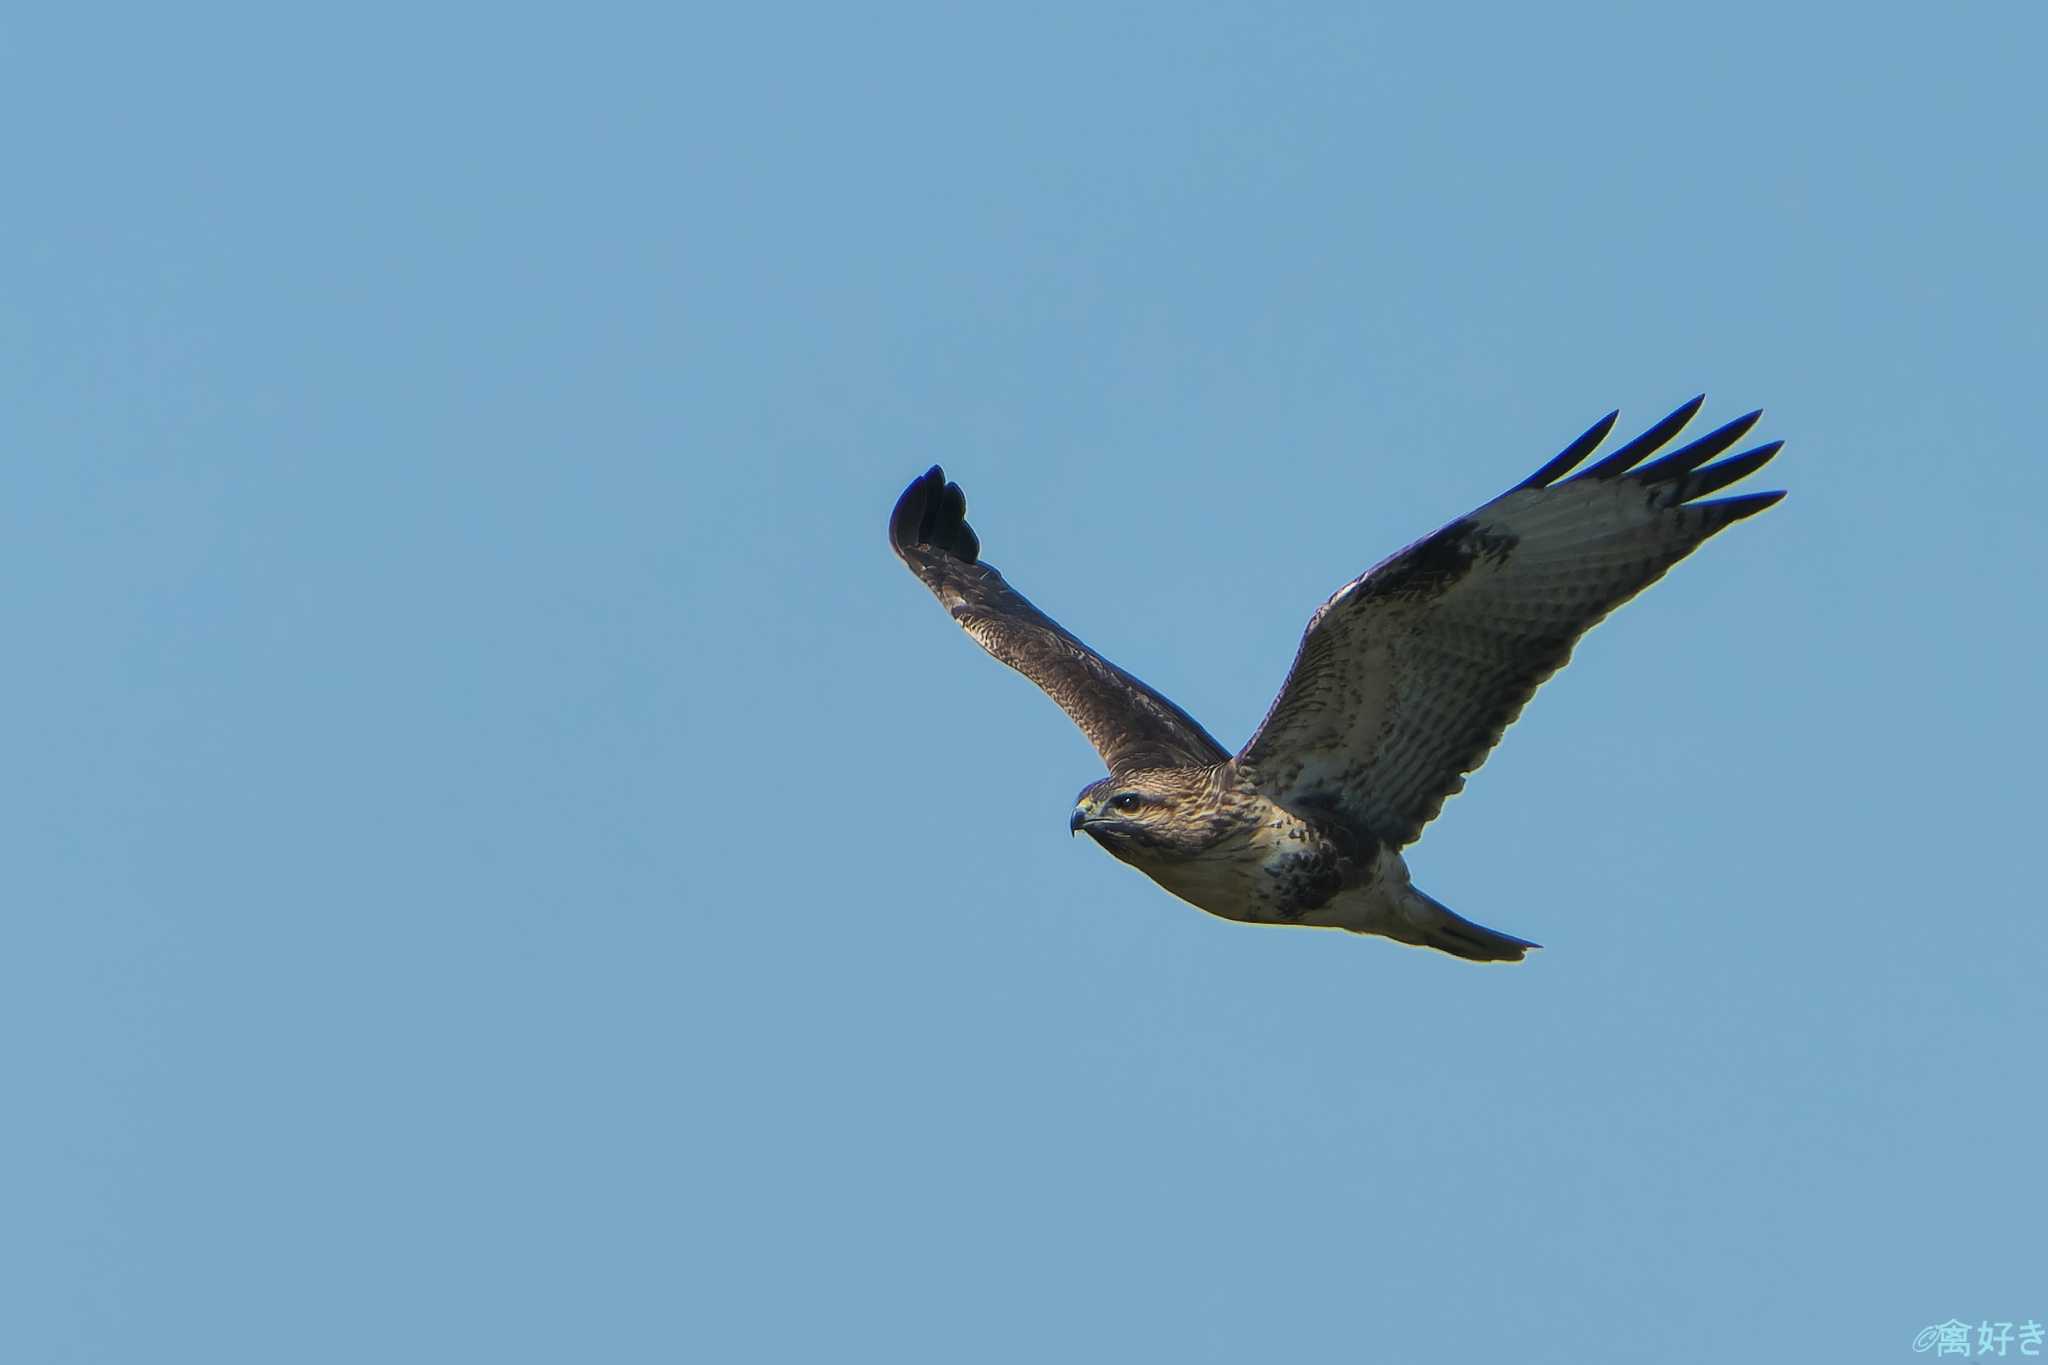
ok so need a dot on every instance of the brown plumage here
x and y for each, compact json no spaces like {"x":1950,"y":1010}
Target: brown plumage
{"x":1404,"y":681}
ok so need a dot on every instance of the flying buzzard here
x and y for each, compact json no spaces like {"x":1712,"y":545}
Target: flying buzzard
{"x":1404,"y":681}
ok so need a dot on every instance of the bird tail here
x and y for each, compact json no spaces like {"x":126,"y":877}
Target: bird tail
{"x":1429,"y":923}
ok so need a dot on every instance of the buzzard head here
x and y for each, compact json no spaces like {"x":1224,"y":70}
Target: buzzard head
{"x":1152,"y":814}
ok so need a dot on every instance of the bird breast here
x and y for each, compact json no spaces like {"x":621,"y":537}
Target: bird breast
{"x":1271,"y":865}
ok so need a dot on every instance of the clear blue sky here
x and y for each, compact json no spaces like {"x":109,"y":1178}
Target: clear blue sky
{"x":502,"y":864}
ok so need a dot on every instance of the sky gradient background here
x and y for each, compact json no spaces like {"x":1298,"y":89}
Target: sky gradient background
{"x":502,"y":864}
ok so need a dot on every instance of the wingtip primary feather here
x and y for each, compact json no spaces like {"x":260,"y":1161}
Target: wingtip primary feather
{"x":1563,"y":462}
{"x":908,"y":514}
{"x":1732,"y":510}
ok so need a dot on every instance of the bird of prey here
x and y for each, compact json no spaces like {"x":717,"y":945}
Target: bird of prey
{"x":1404,"y":681}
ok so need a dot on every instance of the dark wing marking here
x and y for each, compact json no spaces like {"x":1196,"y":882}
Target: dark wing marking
{"x":1129,"y":724}
{"x":1407,"y":677}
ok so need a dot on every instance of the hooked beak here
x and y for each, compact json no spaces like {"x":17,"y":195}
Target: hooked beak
{"x":1080,"y":819}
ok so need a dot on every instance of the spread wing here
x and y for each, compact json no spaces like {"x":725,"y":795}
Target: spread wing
{"x":1407,"y":677}
{"x":1129,"y":724}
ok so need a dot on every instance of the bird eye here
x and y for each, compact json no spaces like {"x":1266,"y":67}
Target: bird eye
{"x":1127,"y":801}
